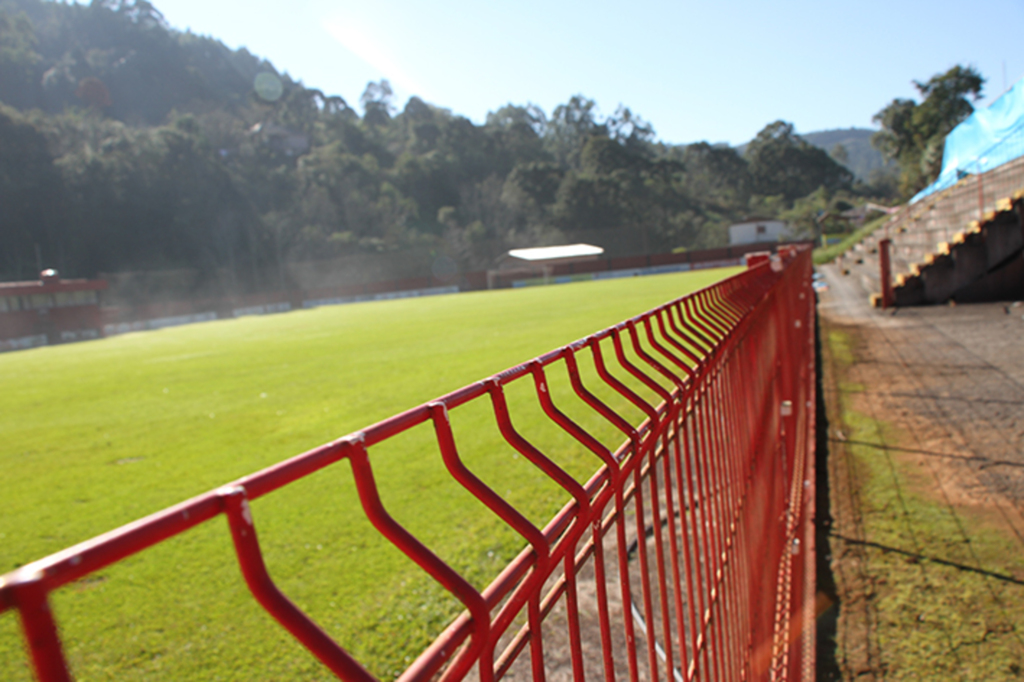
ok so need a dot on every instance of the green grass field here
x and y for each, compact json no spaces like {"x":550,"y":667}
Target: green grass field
{"x":98,"y":434}
{"x":829,"y":253}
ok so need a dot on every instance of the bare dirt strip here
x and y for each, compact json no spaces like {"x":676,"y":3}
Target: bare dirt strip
{"x":924,"y":452}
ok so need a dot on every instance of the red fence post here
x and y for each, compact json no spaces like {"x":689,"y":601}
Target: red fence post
{"x":40,"y":630}
{"x":885,"y":265}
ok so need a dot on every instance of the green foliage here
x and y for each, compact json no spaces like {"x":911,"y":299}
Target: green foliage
{"x":18,"y":57}
{"x":125,"y":46}
{"x":30,"y":192}
{"x":913,"y":134}
{"x":717,"y":174}
{"x":851,"y":147}
{"x":829,"y":253}
{"x":783,"y":163}
{"x":152,"y":148}
{"x":840,"y":154}
{"x":820,"y":212}
{"x":810,"y":215}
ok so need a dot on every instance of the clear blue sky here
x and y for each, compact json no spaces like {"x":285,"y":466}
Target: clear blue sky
{"x":716,"y":71}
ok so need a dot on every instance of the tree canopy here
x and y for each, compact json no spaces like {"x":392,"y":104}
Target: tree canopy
{"x":127,"y":145}
{"x":782,"y":163}
{"x":913,"y":133}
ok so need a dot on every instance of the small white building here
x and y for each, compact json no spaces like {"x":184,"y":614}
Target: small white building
{"x":755,"y":229}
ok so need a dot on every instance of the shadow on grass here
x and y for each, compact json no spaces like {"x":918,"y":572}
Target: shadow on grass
{"x":923,"y":557}
{"x":985,"y":461}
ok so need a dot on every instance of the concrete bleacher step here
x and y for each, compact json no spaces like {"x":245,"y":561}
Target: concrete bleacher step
{"x":982,"y":263}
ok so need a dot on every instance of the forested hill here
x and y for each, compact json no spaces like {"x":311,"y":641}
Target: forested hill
{"x":119,"y":57}
{"x":852,"y":148}
{"x":127,"y":145}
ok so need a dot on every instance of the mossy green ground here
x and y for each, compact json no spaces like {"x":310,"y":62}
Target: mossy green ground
{"x":98,"y":434}
{"x":931,"y":620}
{"x":825,"y":254}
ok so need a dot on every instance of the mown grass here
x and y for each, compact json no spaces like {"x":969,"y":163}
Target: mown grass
{"x":933,"y":620}
{"x":823,"y":255}
{"x":98,"y":434}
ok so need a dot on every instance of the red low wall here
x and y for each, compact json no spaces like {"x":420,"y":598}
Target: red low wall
{"x":27,"y":323}
{"x":652,"y":260}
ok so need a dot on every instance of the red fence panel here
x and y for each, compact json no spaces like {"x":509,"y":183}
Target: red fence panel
{"x":693,"y":540}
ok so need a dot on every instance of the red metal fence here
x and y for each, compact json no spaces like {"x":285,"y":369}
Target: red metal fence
{"x":688,"y":555}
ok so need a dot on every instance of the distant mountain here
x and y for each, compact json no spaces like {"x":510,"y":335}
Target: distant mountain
{"x":862,"y":158}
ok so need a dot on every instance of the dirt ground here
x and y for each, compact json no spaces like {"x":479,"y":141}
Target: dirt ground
{"x":925,"y":463}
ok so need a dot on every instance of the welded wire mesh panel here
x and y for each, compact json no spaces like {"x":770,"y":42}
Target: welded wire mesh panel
{"x":686,"y":553}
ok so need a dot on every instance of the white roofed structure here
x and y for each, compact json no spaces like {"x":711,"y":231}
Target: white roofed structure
{"x":557,"y":254}
{"x":538,"y":261}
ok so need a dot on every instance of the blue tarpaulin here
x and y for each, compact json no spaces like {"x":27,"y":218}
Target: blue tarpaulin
{"x":986,"y":139}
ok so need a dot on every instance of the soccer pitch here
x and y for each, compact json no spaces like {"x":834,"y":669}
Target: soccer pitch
{"x":95,"y":435}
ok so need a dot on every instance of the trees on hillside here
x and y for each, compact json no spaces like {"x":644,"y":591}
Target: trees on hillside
{"x":781,"y":163}
{"x":48,"y":49}
{"x":913,"y":133}
{"x":19,"y":60}
{"x":301,"y":178}
{"x":31,"y":195}
{"x":216,"y":172}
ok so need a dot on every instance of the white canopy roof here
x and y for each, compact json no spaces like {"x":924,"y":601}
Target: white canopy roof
{"x":549,"y":253}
